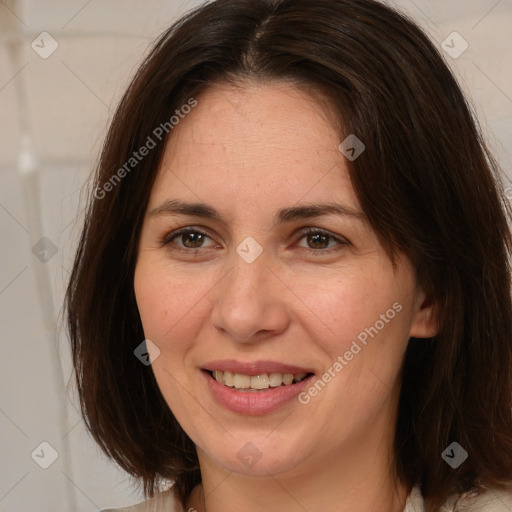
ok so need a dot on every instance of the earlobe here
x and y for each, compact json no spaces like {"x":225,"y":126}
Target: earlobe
{"x":425,"y":321}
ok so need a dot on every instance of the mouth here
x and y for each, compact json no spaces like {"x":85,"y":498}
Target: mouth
{"x":255,"y":387}
{"x":256,"y":383}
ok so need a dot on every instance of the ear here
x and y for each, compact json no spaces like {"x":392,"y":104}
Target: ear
{"x":425,"y":323}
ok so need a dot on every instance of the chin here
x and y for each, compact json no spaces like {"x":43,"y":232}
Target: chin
{"x":258,"y":455}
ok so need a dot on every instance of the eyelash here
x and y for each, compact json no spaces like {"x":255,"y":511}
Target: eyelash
{"x":167,"y":240}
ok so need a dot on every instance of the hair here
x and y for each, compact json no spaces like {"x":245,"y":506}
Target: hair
{"x":426,"y":182}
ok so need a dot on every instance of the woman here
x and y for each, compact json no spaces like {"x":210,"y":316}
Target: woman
{"x":292,"y":290}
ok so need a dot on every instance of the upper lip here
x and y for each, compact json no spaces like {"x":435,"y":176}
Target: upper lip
{"x":254,"y":367}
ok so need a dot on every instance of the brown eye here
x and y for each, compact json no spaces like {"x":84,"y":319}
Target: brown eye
{"x":190,"y":238}
{"x":195,"y":240}
{"x":318,"y":241}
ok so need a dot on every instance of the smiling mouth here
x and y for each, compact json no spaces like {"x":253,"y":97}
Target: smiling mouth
{"x":255,"y":383}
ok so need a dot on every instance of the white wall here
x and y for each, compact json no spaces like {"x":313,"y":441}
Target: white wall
{"x":63,"y":104}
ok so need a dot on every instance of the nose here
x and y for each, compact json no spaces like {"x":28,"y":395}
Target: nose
{"x":250,"y":302}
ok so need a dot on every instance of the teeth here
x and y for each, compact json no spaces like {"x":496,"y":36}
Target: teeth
{"x":276,"y":379}
{"x":228,"y":379}
{"x":256,"y":382}
{"x":241,"y":381}
{"x":287,"y":378}
{"x":260,"y":381}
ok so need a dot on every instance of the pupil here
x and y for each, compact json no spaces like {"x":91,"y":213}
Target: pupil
{"x":317,"y":237}
{"x":190,"y":236}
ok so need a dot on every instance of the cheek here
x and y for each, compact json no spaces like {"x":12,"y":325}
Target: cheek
{"x":170,"y":305}
{"x":369,"y":320}
{"x":166,"y":308}
{"x":151,"y":301}
{"x":159,"y":301}
{"x":348,"y":304}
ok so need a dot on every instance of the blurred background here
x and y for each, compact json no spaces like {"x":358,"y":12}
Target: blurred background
{"x":63,"y":68}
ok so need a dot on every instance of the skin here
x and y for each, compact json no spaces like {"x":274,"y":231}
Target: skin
{"x":247,"y":152}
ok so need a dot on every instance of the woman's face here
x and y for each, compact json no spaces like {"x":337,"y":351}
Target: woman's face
{"x":248,"y":292}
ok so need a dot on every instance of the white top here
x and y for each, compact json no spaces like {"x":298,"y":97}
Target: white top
{"x":493,"y":500}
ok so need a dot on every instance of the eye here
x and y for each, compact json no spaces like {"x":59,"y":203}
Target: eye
{"x":192,"y":238}
{"x":320,"y":239}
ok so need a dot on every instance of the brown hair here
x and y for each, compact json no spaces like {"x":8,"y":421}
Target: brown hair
{"x":426,"y":182}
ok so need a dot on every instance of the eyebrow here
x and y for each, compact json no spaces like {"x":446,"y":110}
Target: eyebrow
{"x":177,"y":207}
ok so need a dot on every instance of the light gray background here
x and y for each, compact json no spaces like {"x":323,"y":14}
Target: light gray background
{"x":53,"y":116}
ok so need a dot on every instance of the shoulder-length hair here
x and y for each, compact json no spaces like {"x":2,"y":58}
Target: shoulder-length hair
{"x":426,"y":182}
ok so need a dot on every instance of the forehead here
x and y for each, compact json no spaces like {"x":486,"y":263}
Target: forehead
{"x":276,"y":114}
{"x":271,"y":138}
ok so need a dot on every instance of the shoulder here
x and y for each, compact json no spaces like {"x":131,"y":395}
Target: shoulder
{"x":166,"y":501}
{"x":486,"y":500}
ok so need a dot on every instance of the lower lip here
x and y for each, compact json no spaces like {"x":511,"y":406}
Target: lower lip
{"x":257,"y":402}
